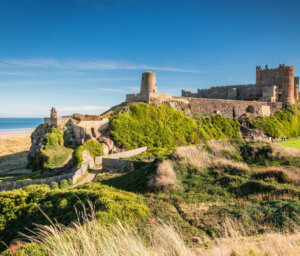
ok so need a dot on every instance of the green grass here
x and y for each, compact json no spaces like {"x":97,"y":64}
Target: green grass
{"x":291,"y":143}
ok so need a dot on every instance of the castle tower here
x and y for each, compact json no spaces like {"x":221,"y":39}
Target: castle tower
{"x":282,"y":77}
{"x":296,"y":87}
{"x":148,"y":83}
{"x":286,"y":77}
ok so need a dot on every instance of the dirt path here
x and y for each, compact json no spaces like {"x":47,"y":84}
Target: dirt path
{"x":90,"y":177}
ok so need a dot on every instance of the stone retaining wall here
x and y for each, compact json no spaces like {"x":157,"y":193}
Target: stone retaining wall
{"x":117,"y":165}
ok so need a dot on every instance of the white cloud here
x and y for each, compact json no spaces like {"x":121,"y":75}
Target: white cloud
{"x":88,"y":65}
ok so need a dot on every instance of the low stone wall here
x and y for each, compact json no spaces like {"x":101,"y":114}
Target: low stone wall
{"x":126,"y":154}
{"x":88,"y":162}
{"x":117,"y":165}
{"x":10,"y":185}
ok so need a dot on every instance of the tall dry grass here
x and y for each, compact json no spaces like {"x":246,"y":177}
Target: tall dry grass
{"x":199,"y":157}
{"x":94,"y":239}
{"x":235,"y":243}
{"x":164,"y":178}
{"x":89,"y":237}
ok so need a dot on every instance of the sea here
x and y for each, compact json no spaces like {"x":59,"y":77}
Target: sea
{"x":13,"y":124}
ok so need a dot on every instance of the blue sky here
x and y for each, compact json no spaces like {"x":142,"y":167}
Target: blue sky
{"x":85,"y":55}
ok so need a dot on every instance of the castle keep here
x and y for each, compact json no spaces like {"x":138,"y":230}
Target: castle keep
{"x":272,"y":85}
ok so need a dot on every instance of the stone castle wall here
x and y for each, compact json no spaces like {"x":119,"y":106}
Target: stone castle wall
{"x":233,"y":108}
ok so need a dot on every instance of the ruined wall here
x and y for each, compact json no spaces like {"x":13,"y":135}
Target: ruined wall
{"x":59,"y":121}
{"x":85,"y":130}
{"x":233,"y":108}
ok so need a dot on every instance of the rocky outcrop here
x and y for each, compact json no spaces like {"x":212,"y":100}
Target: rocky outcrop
{"x":37,"y":141}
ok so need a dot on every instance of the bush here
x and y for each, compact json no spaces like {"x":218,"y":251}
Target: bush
{"x":93,"y":146}
{"x":63,"y":184}
{"x":283,"y":124}
{"x":54,"y":137}
{"x":70,"y":181}
{"x":54,"y":185}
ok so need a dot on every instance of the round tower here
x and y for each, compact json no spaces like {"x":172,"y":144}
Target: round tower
{"x":148,"y":84}
{"x":287,"y":78}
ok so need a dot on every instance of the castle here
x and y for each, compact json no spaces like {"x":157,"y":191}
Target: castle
{"x":272,"y":85}
{"x":274,"y":89}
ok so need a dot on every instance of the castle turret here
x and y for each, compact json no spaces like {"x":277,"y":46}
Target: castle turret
{"x":296,"y":87}
{"x":286,"y":75}
{"x":148,"y":83}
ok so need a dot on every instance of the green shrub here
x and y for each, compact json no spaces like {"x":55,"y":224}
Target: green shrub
{"x":64,"y":184}
{"x":54,"y":185}
{"x":93,"y":146}
{"x":283,"y":124}
{"x":54,"y":137}
{"x":70,"y":181}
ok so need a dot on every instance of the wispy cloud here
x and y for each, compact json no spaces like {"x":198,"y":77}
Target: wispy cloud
{"x":129,"y":89}
{"x":88,"y":65}
{"x":83,"y":108}
{"x":110,"y":90}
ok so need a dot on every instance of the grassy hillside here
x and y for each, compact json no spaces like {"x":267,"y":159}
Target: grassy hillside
{"x":255,"y":184}
{"x":252,"y":185}
{"x":163,"y":127}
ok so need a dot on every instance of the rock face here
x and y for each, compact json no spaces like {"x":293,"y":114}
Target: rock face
{"x":37,"y":139}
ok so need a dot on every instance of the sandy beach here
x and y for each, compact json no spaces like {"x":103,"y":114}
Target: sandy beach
{"x":15,"y":133}
{"x":14,"y":147}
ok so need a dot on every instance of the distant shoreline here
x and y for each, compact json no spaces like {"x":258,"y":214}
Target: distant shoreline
{"x":15,"y":133}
